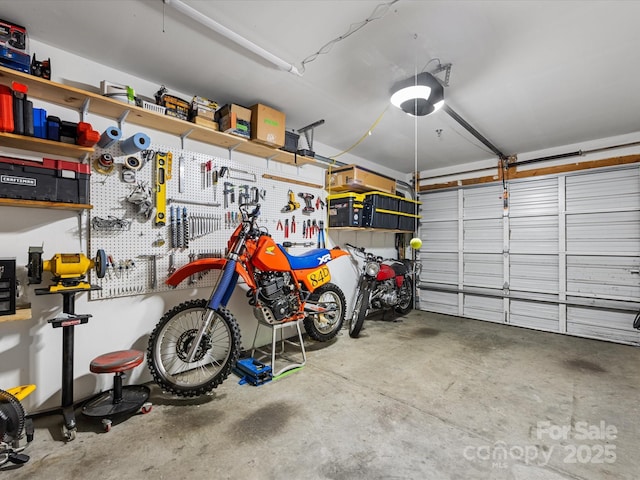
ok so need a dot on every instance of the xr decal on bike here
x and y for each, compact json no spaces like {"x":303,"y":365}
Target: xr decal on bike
{"x":324,"y":258}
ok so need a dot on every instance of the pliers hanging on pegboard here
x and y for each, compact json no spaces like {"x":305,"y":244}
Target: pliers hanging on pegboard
{"x":286,"y":228}
{"x":293,"y":224}
{"x":279,"y":225}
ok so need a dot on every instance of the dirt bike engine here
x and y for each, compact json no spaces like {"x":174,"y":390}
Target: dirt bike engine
{"x":277,"y":299}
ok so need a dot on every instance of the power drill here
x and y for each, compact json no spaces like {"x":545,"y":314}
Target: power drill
{"x":307,"y":197}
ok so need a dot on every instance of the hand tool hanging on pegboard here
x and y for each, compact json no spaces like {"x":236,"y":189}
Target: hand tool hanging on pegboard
{"x":162,"y":174}
{"x":286,"y":228}
{"x":321,"y":243}
{"x":185,"y":228}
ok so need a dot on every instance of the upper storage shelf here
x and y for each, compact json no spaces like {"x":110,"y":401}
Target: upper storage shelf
{"x":80,"y":100}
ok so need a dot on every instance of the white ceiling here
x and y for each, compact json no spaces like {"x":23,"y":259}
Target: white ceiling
{"x":528,"y":75}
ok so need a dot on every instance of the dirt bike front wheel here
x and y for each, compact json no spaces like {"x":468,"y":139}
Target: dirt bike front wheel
{"x":359,"y":311}
{"x":171,"y":343}
{"x":324,"y":326}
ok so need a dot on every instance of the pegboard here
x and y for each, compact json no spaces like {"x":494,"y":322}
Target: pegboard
{"x":141,"y":253}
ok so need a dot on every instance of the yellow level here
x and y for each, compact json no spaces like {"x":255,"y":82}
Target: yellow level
{"x":162,"y":174}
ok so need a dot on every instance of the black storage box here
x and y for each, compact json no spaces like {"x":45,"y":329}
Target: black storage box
{"x":51,"y":180}
{"x":408,"y":223}
{"x":382,"y":200}
{"x":408,"y":206}
{"x":379,"y":218}
{"x":290,"y":142}
{"x":345,"y":209}
{"x":7,"y":286}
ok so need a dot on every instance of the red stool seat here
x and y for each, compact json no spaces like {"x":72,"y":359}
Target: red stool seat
{"x":119,"y":361}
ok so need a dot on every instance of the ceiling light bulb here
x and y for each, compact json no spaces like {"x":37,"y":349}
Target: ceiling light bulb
{"x":409,"y":93}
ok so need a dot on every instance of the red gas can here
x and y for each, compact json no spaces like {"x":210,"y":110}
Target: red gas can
{"x":6,"y":109}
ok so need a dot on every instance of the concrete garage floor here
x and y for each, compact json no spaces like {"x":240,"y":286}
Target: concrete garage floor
{"x":427,"y":397}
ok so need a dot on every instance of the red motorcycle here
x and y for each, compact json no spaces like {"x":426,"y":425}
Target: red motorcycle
{"x":384,"y":284}
{"x":195,"y":345}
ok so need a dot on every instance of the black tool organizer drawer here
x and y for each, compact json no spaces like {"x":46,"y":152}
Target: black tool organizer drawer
{"x":7,"y":286}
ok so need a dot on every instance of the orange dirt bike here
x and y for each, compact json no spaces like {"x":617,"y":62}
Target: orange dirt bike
{"x":195,"y":345}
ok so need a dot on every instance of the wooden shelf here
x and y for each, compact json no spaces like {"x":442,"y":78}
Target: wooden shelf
{"x":21,"y":314}
{"x":12,"y":202}
{"x":367,"y":229}
{"x":49,"y":147}
{"x":76,"y":99}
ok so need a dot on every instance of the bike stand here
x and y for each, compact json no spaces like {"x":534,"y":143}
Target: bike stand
{"x":274,"y":332}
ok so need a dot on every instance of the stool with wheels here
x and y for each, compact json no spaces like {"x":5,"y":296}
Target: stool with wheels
{"x":120,"y":400}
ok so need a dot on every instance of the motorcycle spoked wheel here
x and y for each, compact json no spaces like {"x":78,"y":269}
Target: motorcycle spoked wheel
{"x":359,"y":311}
{"x":170,"y":342}
{"x":324,"y":326}
{"x":405,"y":305}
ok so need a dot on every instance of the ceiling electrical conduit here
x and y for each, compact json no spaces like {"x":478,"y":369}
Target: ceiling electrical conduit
{"x":231,"y":35}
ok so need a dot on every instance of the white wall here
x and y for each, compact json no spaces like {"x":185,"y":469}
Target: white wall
{"x":31,"y":350}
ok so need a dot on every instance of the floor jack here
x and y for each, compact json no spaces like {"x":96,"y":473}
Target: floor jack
{"x":14,"y":425}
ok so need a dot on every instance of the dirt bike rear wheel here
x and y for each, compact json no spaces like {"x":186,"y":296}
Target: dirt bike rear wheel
{"x":359,"y":311}
{"x":405,"y":304}
{"x":170,"y":342}
{"x":324,"y":326}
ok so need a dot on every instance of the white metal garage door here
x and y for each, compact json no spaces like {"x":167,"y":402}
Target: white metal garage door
{"x":563,"y":257}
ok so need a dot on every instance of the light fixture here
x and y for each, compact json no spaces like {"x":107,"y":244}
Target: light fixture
{"x":419,"y":95}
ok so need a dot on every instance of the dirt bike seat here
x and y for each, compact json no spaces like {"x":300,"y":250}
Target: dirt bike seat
{"x":311,"y":259}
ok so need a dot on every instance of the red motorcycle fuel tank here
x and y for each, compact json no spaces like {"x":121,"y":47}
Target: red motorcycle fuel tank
{"x":269,"y":257}
{"x":385,"y":273}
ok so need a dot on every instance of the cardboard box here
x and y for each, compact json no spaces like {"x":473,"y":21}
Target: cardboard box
{"x":267,"y":125}
{"x":234,"y":119}
{"x":358,"y":179}
{"x":205,"y":122}
{"x":199,"y":111}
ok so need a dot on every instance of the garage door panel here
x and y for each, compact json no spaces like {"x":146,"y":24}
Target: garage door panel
{"x":533,"y":198}
{"x":483,"y":235}
{"x":613,"y":190}
{"x":541,"y":316}
{"x":533,"y":235}
{"x":483,"y":270}
{"x":606,"y":324}
{"x":439,"y":268}
{"x":439,"y":236}
{"x":534,"y":273}
{"x":483,"y":308}
{"x":483,"y":202}
{"x":604,"y":232}
{"x":439,"y":206}
{"x":603,"y":276}
{"x":439,"y":302}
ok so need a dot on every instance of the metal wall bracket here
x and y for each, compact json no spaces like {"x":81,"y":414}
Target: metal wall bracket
{"x":85,"y":109}
{"x":183,"y":137}
{"x":122,"y":119}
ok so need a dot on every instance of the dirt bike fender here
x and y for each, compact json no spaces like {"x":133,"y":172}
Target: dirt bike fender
{"x":336,"y":252}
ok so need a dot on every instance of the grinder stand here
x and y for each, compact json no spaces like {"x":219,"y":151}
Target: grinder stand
{"x":67,"y":321}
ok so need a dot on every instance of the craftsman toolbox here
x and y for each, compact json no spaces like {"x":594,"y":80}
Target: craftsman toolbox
{"x":357,"y":179}
{"x":49,"y":180}
{"x":345,"y":209}
{"x":7,"y":286}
